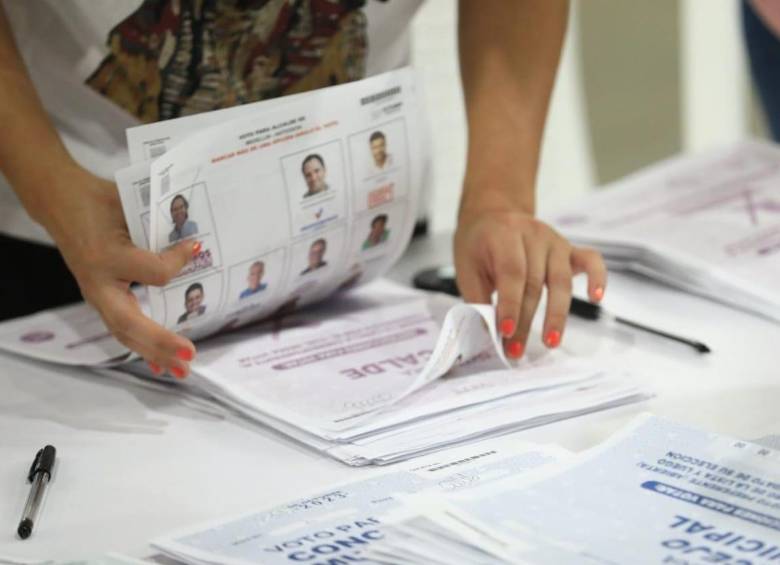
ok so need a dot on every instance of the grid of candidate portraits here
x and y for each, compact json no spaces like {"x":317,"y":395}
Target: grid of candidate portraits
{"x":313,"y":266}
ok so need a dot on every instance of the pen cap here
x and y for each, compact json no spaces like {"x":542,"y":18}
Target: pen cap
{"x":44,"y":462}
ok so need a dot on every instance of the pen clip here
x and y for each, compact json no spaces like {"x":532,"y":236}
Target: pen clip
{"x":34,"y":466}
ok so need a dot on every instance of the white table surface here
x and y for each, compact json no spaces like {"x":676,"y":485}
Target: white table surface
{"x":136,"y":463}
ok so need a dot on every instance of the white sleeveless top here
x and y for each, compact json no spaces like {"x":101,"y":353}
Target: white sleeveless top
{"x":101,"y":67}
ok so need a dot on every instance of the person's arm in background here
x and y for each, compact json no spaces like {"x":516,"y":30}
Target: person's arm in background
{"x":769,"y":10}
{"x":509,"y":52}
{"x":83,"y":215}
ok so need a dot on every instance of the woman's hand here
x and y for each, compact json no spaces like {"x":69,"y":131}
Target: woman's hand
{"x":501,"y":247}
{"x":83,"y":214}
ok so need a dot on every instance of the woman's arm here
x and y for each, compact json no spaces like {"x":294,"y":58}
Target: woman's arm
{"x":509,"y":52}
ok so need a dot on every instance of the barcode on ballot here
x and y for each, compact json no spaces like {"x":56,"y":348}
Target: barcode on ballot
{"x":380,"y":95}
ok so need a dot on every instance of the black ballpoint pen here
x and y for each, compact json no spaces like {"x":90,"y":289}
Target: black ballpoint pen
{"x":443,"y":280}
{"x":590,"y":311}
{"x":39,"y":476}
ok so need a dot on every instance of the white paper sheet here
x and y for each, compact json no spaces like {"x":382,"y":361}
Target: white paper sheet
{"x":656,"y":493}
{"x":341,"y":522}
{"x":285,"y":190}
{"x":709,"y":224}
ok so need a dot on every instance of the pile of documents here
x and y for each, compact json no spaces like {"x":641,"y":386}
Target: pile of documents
{"x":298,"y":208}
{"x":374,"y":376}
{"x":657,"y":492}
{"x":339,"y":524}
{"x":387,"y":373}
{"x":708,"y":224}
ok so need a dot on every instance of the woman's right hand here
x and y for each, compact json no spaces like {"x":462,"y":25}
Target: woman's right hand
{"x":84,"y":217}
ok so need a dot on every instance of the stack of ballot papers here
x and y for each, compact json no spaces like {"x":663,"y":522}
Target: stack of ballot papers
{"x":299,"y":206}
{"x":708,"y":224}
{"x":655,"y":493}
{"x":387,"y":373}
{"x":374,"y":376}
{"x":337,"y":525}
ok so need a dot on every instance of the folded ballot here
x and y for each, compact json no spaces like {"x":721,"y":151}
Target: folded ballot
{"x":657,"y":492}
{"x":298,"y":207}
{"x":708,"y":224}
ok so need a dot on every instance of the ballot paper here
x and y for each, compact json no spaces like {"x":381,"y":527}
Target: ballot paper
{"x":336,"y":525}
{"x":657,"y":492}
{"x":771,"y":441}
{"x":709,"y":224}
{"x":290,"y":201}
{"x":70,"y":335}
{"x":374,"y":376}
{"x":387,"y":373}
{"x":108,"y":559}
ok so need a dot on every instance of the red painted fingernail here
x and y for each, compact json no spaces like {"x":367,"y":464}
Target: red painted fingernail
{"x":177,"y":372}
{"x":598,"y":293}
{"x":553,"y":338}
{"x":196,"y":248}
{"x":507,"y":327}
{"x":156,"y":369}
{"x":184,"y":354}
{"x":515,"y":349}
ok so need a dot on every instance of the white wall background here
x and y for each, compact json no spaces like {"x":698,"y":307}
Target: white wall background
{"x":714,"y":76}
{"x":714,"y":97}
